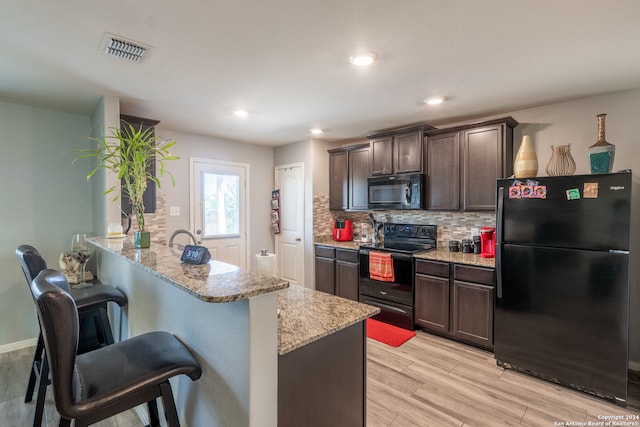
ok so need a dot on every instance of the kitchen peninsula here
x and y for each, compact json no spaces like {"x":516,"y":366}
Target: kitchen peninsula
{"x":252,"y":357}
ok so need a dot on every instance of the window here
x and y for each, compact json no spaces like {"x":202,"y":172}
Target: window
{"x":221,"y":204}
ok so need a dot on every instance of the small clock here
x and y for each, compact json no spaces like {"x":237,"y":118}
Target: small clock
{"x":193,"y":254}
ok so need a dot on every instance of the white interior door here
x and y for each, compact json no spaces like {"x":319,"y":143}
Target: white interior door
{"x":290,"y":241}
{"x":219,"y":208}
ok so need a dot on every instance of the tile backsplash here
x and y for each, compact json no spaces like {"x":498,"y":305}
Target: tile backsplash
{"x":451,"y":225}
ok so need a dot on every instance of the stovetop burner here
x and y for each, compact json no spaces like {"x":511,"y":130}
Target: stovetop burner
{"x":399,"y":247}
{"x":406,"y":238}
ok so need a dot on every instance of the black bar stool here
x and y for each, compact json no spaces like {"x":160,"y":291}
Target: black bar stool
{"x":94,"y":386}
{"x":91,"y":302}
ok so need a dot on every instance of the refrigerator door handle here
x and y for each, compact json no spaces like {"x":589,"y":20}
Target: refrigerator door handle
{"x":499,"y":226}
{"x":499,"y":208}
{"x":499,"y":271}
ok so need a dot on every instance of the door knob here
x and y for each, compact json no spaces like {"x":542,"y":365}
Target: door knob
{"x":298,"y":239}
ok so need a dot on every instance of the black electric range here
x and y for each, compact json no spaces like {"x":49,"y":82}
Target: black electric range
{"x":395,"y":298}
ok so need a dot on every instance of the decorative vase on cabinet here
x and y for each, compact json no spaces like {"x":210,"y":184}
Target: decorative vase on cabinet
{"x":526,"y":163}
{"x":601,"y":154}
{"x":561,"y":162}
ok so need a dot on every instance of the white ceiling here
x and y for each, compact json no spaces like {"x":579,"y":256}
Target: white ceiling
{"x":286,"y":61}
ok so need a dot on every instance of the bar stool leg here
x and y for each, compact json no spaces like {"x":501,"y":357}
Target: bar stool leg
{"x":35,"y":368}
{"x":105,"y":326}
{"x":42,"y":392}
{"x":169,"y":405}
{"x":154,"y":419}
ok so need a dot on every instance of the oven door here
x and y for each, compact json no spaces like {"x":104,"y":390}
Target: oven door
{"x":394,"y":299}
{"x":400,"y":290}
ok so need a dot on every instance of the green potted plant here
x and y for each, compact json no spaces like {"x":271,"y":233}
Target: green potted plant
{"x":128,"y":152}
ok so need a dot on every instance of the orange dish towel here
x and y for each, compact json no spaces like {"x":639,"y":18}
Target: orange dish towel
{"x":381,"y":266}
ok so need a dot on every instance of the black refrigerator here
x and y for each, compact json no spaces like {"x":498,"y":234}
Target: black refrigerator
{"x":562,"y":280}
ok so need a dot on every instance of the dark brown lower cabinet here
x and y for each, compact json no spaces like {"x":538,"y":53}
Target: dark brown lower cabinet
{"x":455,"y":300}
{"x":432,"y":303}
{"x":337,"y":271}
{"x":473,"y":313}
{"x":324,"y":383}
{"x":347,"y":274}
{"x":325,"y":269}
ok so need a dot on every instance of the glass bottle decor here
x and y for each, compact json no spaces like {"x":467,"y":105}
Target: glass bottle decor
{"x":561,"y":162}
{"x":526,"y":163}
{"x":601,"y":154}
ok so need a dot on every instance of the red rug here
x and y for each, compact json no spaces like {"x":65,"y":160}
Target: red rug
{"x":388,"y":334}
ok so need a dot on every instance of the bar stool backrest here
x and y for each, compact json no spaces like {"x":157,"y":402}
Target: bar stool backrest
{"x":58,"y":317}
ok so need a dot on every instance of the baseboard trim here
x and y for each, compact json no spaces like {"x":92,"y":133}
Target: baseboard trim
{"x":18,"y":345}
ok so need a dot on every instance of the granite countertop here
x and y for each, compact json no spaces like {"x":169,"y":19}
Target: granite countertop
{"x":458,"y":258}
{"x":437,"y":255}
{"x":212,"y":282}
{"x":307,"y":315}
{"x":328,"y":241}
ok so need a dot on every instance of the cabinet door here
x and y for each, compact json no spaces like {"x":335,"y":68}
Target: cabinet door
{"x":358,"y":174}
{"x":473,"y":313}
{"x":338,"y":175}
{"x":443,"y":171}
{"x":347,"y":280}
{"x":381,"y":156}
{"x":432,"y":303}
{"x":325,"y":275}
{"x":482,"y":160}
{"x":408,"y":152}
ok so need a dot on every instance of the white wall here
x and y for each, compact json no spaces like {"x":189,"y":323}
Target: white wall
{"x":261,"y":178}
{"x":45,"y":199}
{"x":301,"y":152}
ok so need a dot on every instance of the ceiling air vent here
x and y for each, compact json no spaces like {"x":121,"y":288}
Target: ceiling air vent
{"x":120,"y":47}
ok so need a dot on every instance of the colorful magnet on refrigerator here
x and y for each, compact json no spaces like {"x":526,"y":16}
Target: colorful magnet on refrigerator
{"x":573,"y":194}
{"x":590,"y":190}
{"x":527,"y":191}
{"x":514,"y":192}
{"x":539,"y":192}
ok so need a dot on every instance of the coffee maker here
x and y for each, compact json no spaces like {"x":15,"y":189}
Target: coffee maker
{"x":488,"y":242}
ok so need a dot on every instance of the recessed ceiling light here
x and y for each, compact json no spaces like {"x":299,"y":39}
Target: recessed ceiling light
{"x":316,"y":131}
{"x":436,"y":100}
{"x":240,"y":113}
{"x":363,"y":59}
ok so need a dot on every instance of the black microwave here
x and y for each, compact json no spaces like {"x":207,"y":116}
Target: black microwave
{"x":405,"y":191}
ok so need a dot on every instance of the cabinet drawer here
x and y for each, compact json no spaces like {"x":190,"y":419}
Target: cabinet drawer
{"x":347,"y":255}
{"x":433,"y":268}
{"x":469,"y":273}
{"x":325,"y":251}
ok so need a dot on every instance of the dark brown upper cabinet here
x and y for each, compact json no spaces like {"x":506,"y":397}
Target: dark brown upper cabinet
{"x":338,"y":176}
{"x":397,"y":151}
{"x":442,"y":162}
{"x":348,"y":173}
{"x":463,"y":163}
{"x":487,"y":156}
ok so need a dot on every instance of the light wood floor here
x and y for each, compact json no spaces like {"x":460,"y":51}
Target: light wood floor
{"x":428,"y":381}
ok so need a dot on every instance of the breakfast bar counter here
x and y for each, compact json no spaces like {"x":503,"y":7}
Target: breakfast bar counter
{"x":256,"y":337}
